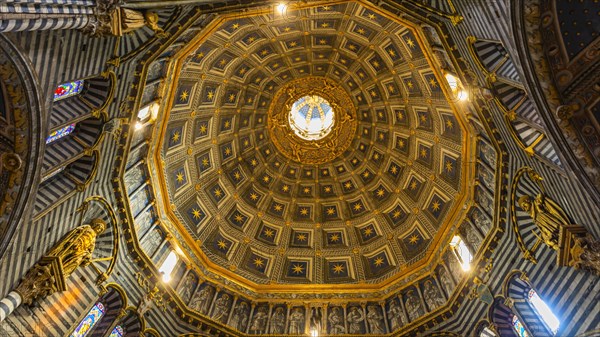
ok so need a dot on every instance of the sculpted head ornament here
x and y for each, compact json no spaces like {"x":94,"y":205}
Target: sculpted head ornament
{"x":98,"y":225}
{"x":525,"y":202}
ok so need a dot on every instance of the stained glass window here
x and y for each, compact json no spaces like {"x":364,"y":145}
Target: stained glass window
{"x":117,"y":332}
{"x":68,"y":89}
{"x":543,"y":310}
{"x":87,"y":324}
{"x":57,"y":134}
{"x":519,"y":328}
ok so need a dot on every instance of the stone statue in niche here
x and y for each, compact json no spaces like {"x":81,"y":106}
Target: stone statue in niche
{"x":472,"y":238}
{"x":239,"y":319}
{"x":413,"y":306}
{"x":316,"y":318}
{"x":454,"y":266}
{"x":336,"y":322}
{"x":220,"y":313}
{"x":188,"y":286}
{"x":355,"y":317}
{"x":486,"y":177}
{"x":77,"y":246}
{"x":297,"y":322}
{"x":488,"y":154}
{"x":114,"y":127}
{"x":139,"y":202}
{"x":446,"y":281}
{"x":481,"y":220}
{"x":118,"y":21}
{"x":201,"y":299}
{"x":259,"y":322}
{"x":375,"y":320}
{"x":395,"y":315}
{"x":152,"y":242}
{"x":142,"y":219}
{"x":133,"y":178}
{"x":547,"y":215}
{"x":482,"y":198}
{"x":277,"y":324}
{"x":132,"y":20}
{"x":432,"y":295}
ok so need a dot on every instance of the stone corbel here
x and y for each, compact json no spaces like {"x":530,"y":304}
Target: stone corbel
{"x":43,"y":279}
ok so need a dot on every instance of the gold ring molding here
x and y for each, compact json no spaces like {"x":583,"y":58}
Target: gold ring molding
{"x":312,"y":151}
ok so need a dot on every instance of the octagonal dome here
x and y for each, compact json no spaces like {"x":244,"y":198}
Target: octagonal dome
{"x":272,"y":207}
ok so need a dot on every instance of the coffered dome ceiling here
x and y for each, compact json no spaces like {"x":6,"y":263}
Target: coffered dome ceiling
{"x":365,"y":201}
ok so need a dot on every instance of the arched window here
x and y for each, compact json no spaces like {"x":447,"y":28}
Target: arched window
{"x":518,"y":326}
{"x":543,"y":310}
{"x":60,"y":182}
{"x":529,"y":315}
{"x":148,"y":112}
{"x":68,"y":89}
{"x":168,"y":265}
{"x":131,"y":324}
{"x":146,"y":115}
{"x":67,"y":163}
{"x":117,"y":332}
{"x":76,"y":100}
{"x":59,"y":133}
{"x":494,"y":58}
{"x":100,"y":319}
{"x":88,"y":323}
{"x":76,"y":121}
{"x":69,"y":142}
{"x":462,"y":253}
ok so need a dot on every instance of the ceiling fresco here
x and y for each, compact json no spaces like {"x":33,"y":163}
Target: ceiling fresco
{"x":243,"y":188}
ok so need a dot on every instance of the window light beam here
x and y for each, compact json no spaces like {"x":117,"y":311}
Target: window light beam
{"x":168,"y":265}
{"x":281,"y":8}
{"x":456,"y":87}
{"x":544,"y":311}
{"x":462,"y":252}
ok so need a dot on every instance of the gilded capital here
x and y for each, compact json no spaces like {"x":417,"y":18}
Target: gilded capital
{"x":39,"y":281}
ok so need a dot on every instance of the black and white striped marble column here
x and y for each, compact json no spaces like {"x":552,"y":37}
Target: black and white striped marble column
{"x":9,"y":304}
{"x":45,"y":15}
